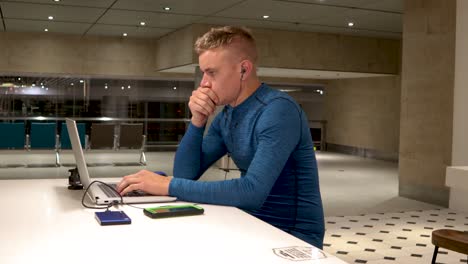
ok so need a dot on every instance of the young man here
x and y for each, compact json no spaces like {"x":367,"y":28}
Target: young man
{"x":265,"y":132}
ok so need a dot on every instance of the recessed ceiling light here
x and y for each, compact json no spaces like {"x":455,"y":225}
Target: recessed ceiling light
{"x":81,"y":81}
{"x":167,"y":8}
{"x":350,"y":24}
{"x":124,"y":34}
{"x":51,"y":18}
{"x":175,"y":88}
{"x":56,"y":0}
{"x":123,"y":87}
{"x":72,"y":84}
{"x":129,"y":87}
{"x":266,"y":16}
{"x":142,"y":23}
{"x":45,"y":29}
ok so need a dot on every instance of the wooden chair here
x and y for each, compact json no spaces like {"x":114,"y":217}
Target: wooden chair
{"x":450,"y":239}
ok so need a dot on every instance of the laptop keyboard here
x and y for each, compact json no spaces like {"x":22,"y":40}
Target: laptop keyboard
{"x":111,"y":193}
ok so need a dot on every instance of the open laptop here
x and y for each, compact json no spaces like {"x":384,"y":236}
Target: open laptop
{"x":100,"y":193}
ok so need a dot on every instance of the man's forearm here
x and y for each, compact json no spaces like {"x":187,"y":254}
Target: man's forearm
{"x":188,"y":155}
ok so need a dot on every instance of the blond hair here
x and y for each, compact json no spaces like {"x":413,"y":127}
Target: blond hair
{"x":239,"y":38}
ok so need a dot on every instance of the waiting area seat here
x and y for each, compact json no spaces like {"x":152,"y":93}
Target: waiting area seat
{"x":132,"y":137}
{"x":65,"y":138}
{"x":65,"y":142}
{"x":102,"y":137}
{"x":44,"y":136}
{"x":12,"y":136}
{"x":116,"y":137}
{"x":449,"y":239}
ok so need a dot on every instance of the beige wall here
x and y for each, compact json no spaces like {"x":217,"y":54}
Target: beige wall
{"x":61,"y":54}
{"x":427,"y":99}
{"x":320,"y":51}
{"x":175,"y":49}
{"x":364,"y":113}
{"x":298,"y":50}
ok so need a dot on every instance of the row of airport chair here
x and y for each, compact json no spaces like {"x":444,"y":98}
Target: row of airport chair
{"x":122,"y":136}
{"x":45,"y":136}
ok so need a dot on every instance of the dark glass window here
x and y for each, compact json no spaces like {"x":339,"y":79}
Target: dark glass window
{"x":161,"y":105}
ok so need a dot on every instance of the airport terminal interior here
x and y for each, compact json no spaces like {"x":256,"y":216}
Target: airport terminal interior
{"x":376,"y":79}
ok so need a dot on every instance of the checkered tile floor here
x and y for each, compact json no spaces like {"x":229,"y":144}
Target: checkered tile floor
{"x":403,"y":237}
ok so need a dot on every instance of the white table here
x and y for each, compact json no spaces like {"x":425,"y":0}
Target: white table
{"x":41,"y":221}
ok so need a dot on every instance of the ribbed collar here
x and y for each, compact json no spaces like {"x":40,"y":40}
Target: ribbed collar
{"x":250,"y":101}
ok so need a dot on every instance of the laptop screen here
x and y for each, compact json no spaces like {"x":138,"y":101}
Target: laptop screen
{"x":78,"y":152}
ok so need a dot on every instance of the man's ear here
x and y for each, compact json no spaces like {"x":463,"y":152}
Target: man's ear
{"x":246,"y":67}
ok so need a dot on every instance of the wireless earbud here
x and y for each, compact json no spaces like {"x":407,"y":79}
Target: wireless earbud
{"x":242,"y":73}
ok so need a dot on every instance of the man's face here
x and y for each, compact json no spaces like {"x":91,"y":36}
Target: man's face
{"x":221,"y":73}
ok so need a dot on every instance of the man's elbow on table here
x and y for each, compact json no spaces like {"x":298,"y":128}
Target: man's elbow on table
{"x":251,"y":201}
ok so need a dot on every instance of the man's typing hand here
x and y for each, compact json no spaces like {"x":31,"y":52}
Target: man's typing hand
{"x":146,"y":181}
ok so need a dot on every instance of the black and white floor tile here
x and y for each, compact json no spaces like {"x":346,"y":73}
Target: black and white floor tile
{"x":403,"y":237}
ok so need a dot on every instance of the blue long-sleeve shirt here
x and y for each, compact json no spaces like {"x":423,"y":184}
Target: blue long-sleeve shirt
{"x":268,"y":138}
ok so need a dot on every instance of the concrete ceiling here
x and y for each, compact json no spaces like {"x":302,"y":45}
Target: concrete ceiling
{"x":377,"y":18}
{"x":373,"y":18}
{"x":289,"y":73}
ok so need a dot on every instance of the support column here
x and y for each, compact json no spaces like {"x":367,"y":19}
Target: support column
{"x":460,"y":103}
{"x":427,"y":99}
{"x":457,"y":176}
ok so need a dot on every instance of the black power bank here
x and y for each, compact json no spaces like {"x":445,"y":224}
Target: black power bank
{"x":113,"y":218}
